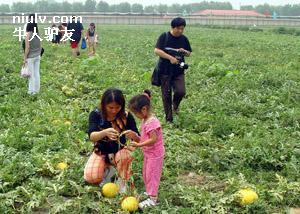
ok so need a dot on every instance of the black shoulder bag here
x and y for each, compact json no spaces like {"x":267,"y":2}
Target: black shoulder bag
{"x":155,"y":79}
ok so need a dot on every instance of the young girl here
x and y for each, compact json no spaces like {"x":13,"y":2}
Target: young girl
{"x":151,"y":141}
{"x":91,"y":36}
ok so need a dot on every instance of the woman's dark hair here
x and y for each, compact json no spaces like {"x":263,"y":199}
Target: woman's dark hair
{"x":32,"y":24}
{"x":93,"y":25}
{"x":177,"y":22}
{"x":139,"y":101}
{"x":113,"y":95}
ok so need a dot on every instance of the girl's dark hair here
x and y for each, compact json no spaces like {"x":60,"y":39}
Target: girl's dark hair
{"x":139,"y":101}
{"x":177,"y":22}
{"x":32,"y":24}
{"x":113,"y":95}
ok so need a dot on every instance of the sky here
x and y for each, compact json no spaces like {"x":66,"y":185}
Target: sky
{"x":235,"y":3}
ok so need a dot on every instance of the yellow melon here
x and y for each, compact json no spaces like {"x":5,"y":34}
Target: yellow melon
{"x":61,"y":166}
{"x":68,"y":123}
{"x":110,"y":190}
{"x":130,"y":204}
{"x":247,"y":196}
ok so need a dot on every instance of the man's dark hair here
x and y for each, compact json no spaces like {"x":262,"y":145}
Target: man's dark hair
{"x":177,"y":22}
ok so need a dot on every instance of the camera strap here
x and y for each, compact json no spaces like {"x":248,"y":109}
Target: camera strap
{"x":166,"y":39}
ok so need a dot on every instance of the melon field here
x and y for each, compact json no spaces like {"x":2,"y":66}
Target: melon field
{"x":239,"y":125}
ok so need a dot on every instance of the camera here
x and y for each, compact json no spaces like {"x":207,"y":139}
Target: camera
{"x":179,"y":56}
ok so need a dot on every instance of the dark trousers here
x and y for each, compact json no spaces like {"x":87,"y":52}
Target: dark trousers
{"x":169,"y":83}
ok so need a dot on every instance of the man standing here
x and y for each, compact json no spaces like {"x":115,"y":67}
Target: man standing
{"x":75,"y":26}
{"x":170,"y":72}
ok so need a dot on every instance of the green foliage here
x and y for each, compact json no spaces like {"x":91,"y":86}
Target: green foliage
{"x":238,"y":126}
{"x":290,"y":31}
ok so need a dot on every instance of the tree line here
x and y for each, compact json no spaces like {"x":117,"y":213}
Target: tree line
{"x":125,"y":7}
{"x":102,"y":6}
{"x":285,"y":10}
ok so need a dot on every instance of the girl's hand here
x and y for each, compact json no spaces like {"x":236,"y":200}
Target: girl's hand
{"x":130,"y":134}
{"x":111,"y":133}
{"x":130,"y":148}
{"x":134,"y":144}
{"x":24,"y":61}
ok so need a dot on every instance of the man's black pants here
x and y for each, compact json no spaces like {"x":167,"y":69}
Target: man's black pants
{"x":169,"y":83}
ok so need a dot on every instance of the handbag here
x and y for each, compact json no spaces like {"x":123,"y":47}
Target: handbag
{"x":155,"y":78}
{"x":25,"y":71}
{"x":83,"y":44}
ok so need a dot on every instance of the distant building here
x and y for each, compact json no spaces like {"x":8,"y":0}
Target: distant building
{"x":239,"y":13}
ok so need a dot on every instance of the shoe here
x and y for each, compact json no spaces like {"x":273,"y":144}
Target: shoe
{"x":32,"y":93}
{"x":175,"y":109}
{"x":169,"y":121}
{"x":143,"y":196}
{"x":147,"y":203}
{"x":108,"y":174}
{"x":122,"y":186}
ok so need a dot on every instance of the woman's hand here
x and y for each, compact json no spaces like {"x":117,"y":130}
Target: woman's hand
{"x":111,"y":133}
{"x":24,"y":61}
